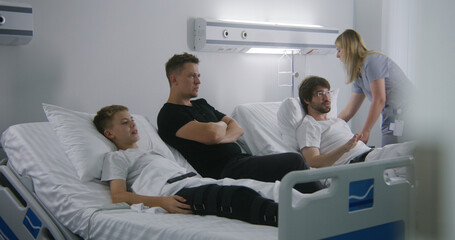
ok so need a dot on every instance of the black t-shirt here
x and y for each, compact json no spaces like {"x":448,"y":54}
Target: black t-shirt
{"x":208,"y":160}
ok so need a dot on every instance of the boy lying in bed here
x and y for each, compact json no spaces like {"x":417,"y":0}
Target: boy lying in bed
{"x":158,"y":182}
{"x":327,"y":141}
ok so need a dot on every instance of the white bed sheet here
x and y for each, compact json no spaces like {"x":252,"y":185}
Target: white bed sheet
{"x":33,"y":150}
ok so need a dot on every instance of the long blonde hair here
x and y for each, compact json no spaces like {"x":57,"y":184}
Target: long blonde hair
{"x":354,"y":53}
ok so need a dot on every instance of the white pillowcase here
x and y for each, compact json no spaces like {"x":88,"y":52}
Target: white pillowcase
{"x":290,"y":115}
{"x":86,"y":147}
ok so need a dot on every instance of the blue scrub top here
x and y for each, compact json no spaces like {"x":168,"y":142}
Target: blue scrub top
{"x":398,"y":87}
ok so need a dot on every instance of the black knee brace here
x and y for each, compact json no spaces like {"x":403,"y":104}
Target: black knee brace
{"x":265,"y":212}
{"x":245,"y":204}
{"x":236,"y":202}
{"x":205,"y":200}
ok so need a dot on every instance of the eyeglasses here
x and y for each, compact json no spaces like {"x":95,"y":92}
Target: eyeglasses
{"x":325,"y":93}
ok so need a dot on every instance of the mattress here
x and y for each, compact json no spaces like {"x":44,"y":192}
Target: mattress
{"x":85,"y":208}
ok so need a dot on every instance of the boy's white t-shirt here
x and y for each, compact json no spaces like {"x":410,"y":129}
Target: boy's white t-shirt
{"x":327,"y":136}
{"x":146,"y":173}
{"x":128,"y":165}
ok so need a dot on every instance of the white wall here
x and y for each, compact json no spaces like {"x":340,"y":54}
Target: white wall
{"x":91,"y":53}
{"x":368,"y":23}
{"x":398,"y":33}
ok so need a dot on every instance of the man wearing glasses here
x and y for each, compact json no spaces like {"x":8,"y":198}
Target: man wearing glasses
{"x":327,"y":141}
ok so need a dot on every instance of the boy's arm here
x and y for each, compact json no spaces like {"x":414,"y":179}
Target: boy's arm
{"x":172,"y":204}
{"x":225,"y":131}
{"x":317,"y":160}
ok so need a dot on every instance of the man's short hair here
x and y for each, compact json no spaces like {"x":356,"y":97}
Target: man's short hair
{"x":105,"y":115}
{"x":176,"y":62}
{"x":307,"y":87}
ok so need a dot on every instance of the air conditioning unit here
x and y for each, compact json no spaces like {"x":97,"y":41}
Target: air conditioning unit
{"x":230,"y":36}
{"x":16,"y":23}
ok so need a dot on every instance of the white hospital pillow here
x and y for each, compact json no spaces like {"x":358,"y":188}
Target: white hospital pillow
{"x":290,"y":115}
{"x":333,"y":105}
{"x":86,"y":147}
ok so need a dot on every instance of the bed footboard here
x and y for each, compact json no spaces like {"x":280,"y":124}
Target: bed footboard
{"x":359,"y":204}
{"x":21,"y":216}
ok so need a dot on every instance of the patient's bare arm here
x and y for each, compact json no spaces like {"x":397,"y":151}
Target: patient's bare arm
{"x":316,"y":160}
{"x":172,"y":204}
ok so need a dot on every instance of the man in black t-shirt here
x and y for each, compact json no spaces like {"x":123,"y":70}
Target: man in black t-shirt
{"x":206,"y":155}
{"x":207,"y":138}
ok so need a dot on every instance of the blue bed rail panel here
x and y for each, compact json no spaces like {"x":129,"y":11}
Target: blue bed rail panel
{"x":389,"y":231}
{"x":361,"y":203}
{"x":361,"y":194}
{"x":5,"y":231}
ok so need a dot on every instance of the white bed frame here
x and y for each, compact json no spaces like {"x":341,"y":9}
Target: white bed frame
{"x":323,"y":215}
{"x":384,"y":210}
{"x":24,"y":216}
{"x":326,"y":215}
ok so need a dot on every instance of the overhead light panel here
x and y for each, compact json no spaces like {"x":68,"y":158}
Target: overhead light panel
{"x":273,"y":50}
{"x":243,"y":37}
{"x":273,"y":23}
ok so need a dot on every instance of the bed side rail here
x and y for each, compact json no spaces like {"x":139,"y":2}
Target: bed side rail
{"x":359,"y":204}
{"x":21,"y":216}
{"x":2,"y":156}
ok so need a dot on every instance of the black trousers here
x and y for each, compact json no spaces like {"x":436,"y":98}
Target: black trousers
{"x":269,"y":168}
{"x":360,"y":158}
{"x":235,"y":202}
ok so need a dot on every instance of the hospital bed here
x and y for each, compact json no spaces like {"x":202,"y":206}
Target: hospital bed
{"x":43,"y":197}
{"x":362,"y":202}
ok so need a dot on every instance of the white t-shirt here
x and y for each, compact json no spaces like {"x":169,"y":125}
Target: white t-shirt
{"x":146,"y":173}
{"x":327,"y":136}
{"x":128,"y":165}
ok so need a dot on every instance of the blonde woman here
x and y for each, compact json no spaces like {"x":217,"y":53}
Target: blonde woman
{"x":377,"y":77}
